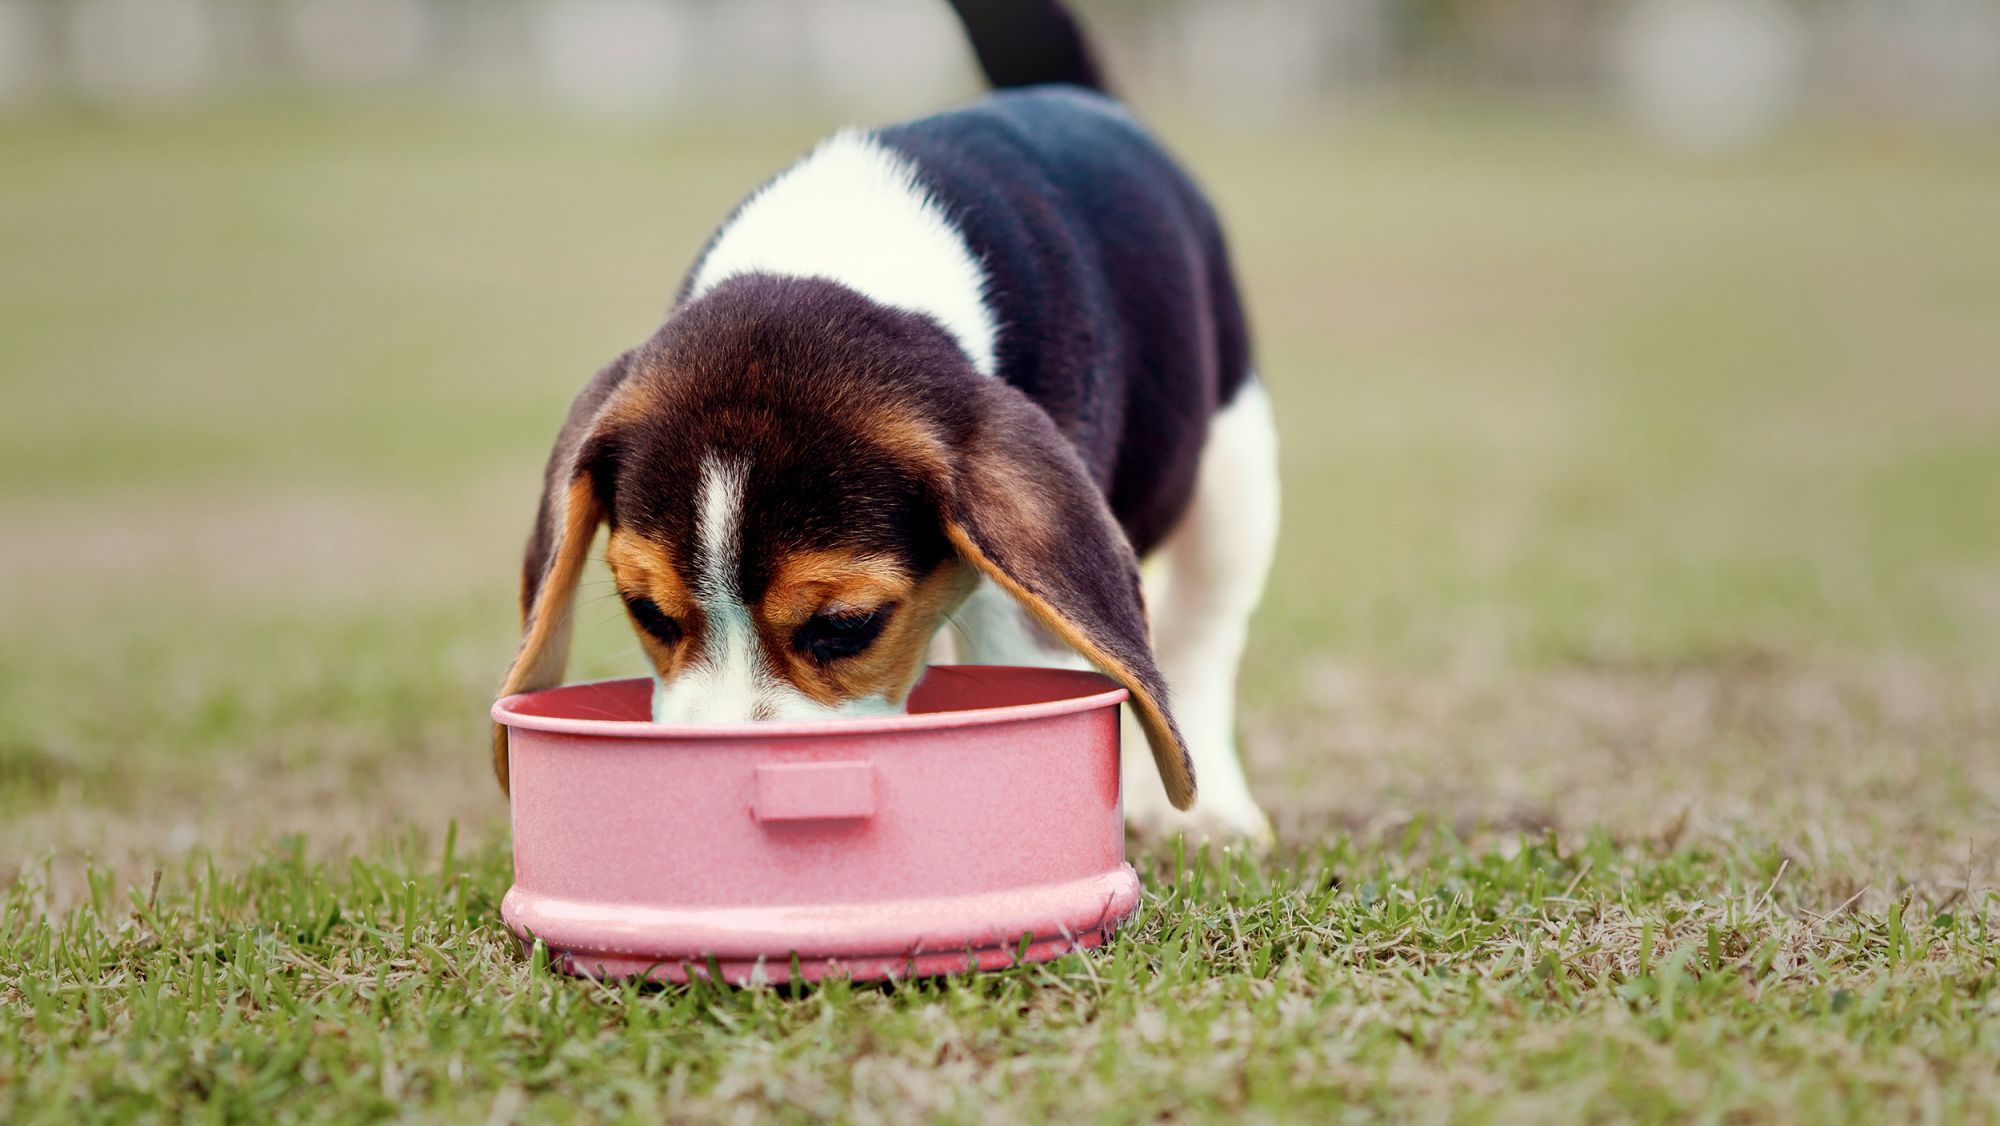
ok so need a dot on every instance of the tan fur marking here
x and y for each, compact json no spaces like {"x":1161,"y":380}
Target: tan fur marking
{"x":635,"y":400}
{"x":1168,"y":758}
{"x":644,"y":568}
{"x":833,"y":581}
{"x":806,"y":582}
{"x":906,"y":438}
{"x":544,"y":650}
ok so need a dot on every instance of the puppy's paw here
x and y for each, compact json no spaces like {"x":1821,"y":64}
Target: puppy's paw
{"x":1218,"y":821}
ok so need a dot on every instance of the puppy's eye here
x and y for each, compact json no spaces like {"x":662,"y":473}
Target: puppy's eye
{"x":829,"y":637}
{"x":654,"y":620}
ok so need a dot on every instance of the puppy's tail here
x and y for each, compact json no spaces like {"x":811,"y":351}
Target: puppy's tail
{"x":1028,"y":42}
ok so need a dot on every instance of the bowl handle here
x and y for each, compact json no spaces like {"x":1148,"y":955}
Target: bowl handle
{"x":814,"y":791}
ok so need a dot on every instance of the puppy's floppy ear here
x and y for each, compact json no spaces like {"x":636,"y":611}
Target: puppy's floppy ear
{"x":1022,"y":508}
{"x":566,"y":523}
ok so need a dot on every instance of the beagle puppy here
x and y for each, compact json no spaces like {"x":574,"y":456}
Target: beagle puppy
{"x":964,"y":371}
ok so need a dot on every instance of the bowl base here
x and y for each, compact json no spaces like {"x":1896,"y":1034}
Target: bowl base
{"x":864,"y":942}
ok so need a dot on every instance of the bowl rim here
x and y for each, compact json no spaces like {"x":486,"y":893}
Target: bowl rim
{"x":1104,"y":692}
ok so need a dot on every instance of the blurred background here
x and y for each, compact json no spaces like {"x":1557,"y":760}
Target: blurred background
{"x":1697,"y":73}
{"x":1638,"y":365}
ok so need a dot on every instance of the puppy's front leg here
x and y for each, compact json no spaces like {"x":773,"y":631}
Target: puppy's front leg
{"x":1201,"y":588}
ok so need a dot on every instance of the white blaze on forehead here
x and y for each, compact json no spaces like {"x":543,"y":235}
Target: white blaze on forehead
{"x":719,"y":527}
{"x":854,"y":212}
{"x":728,"y":682}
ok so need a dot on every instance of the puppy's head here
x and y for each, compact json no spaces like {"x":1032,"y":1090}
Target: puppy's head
{"x":800,"y":485}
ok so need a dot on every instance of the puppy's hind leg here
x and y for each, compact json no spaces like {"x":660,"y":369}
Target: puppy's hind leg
{"x":1201,"y":587}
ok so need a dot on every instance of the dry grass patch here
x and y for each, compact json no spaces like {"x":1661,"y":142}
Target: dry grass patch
{"x":1880,"y":778}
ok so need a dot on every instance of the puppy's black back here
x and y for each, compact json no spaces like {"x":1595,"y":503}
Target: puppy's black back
{"x":1108,"y":277}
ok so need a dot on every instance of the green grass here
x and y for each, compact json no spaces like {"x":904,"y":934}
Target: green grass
{"x":1549,"y":983}
{"x":1624,"y":697}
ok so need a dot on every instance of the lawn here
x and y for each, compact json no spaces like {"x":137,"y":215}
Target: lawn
{"x":1625,"y":699}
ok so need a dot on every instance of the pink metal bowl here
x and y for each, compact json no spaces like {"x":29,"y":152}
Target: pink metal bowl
{"x":981,"y":829}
